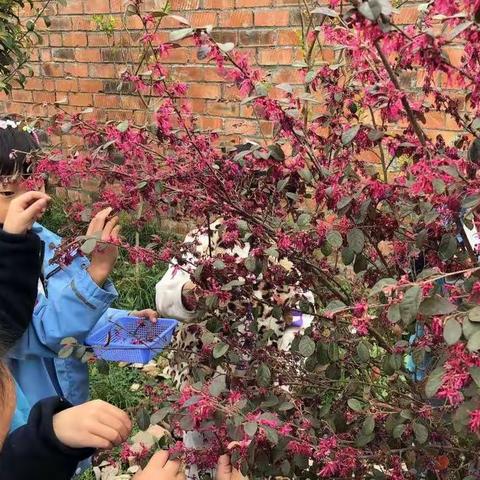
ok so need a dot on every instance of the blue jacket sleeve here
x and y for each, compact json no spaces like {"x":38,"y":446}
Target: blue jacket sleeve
{"x":70,"y":312}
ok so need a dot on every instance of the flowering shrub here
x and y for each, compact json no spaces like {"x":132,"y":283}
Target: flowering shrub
{"x":385,"y":383}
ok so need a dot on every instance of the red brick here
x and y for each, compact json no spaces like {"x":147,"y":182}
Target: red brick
{"x":76,"y":69}
{"x":53,"y":69}
{"x":96,"y":6}
{"x":45,"y":55}
{"x":88,"y":55}
{"x":34,"y":84}
{"x":188,"y":73}
{"x":275,"y":56}
{"x":73,"y":6}
{"x":63,"y":54}
{"x":81,"y":99}
{"x":223,"y":108}
{"x":63,"y":85}
{"x":22,"y":96}
{"x":117,"y":6}
{"x":55,"y":39}
{"x":107,"y":101}
{"x":90,"y":85}
{"x":61,"y":23}
{"x":211,"y":74}
{"x":435,"y":120}
{"x":266,"y":128}
{"x":241,"y":127}
{"x":220,"y":4}
{"x":74,"y":39}
{"x":44,"y":97}
{"x":236,"y":18}
{"x":131,"y":102}
{"x":49,"y":84}
{"x":272,"y":18}
{"x":254,"y":3}
{"x":204,"y":90}
{"x":182,"y":6}
{"x":406,"y":16}
{"x":255,"y":37}
{"x":102,"y":70}
{"x":288,"y":37}
{"x":210,"y":123}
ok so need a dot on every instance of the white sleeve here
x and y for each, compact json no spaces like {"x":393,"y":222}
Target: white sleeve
{"x":168,"y":295}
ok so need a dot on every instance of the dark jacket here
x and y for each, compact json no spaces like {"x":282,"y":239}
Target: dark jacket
{"x":20,"y":268}
{"x":34,"y":452}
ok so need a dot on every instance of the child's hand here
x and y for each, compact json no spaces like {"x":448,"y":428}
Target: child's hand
{"x":103,"y":258}
{"x":24,"y":211}
{"x":161,"y":468}
{"x":149,"y":314}
{"x":95,"y":424}
{"x":225,"y":470}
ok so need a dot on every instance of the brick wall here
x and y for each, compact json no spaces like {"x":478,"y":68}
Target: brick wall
{"x":80,"y":64}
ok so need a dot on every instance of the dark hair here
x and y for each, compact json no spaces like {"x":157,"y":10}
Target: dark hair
{"x":15,"y":144}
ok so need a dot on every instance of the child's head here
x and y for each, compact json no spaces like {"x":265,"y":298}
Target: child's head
{"x":15,"y":144}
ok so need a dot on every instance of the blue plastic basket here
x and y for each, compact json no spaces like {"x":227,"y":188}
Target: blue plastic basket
{"x":131,"y":339}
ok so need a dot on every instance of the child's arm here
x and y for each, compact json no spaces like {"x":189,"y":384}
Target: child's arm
{"x":75,"y":308}
{"x":20,"y":266}
{"x":161,"y":468}
{"x":172,"y":294}
{"x":58,"y":436}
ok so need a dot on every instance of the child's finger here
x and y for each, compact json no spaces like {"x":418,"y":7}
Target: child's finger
{"x":105,"y":431}
{"x":121,"y":427}
{"x":224,"y":468}
{"x":27,"y":199}
{"x":36,"y":208}
{"x":108,"y":228}
{"x":100,"y":443}
{"x":157,"y":462}
{"x":172,"y":467}
{"x":115,"y":235}
{"x":98,"y":221}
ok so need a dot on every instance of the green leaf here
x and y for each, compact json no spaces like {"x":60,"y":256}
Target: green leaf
{"x":439,"y":185}
{"x":89,"y":246}
{"x":272,"y":435}
{"x":306,"y":347}
{"x":473,"y":344}
{"x":348,"y":255}
{"x":474,"y":314}
{"x":363,"y":351}
{"x":447,"y":247}
{"x":410,"y":303}
{"x":143,"y":419}
{"x":264,"y":376}
{"x":360,"y":264}
{"x":436,"y":305}
{"x":355,"y":404}
{"x":272,"y":252}
{"x":356,"y":240}
{"x":304,"y":220}
{"x":159,"y":415}
{"x":250,"y":263}
{"x":381,"y":285}
{"x":421,"y":432}
{"x":349,"y":135}
{"x":218,"y":265}
{"x":393,"y":313}
{"x":398,"y":431}
{"x":220,"y":350}
{"x":434,"y":382}
{"x":286,"y":406}
{"x":250,"y":428}
{"x":180,"y":34}
{"x":475,"y":374}
{"x":328,"y":12}
{"x":368,"y":425}
{"x":123,"y":126}
{"x":344,"y":201}
{"x":217,"y":386}
{"x":452,"y":331}
{"x":334,"y":238}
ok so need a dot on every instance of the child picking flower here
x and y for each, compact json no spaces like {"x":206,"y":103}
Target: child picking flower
{"x":71,"y":300}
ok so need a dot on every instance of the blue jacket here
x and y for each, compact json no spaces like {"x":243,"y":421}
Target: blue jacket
{"x":73,"y":305}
